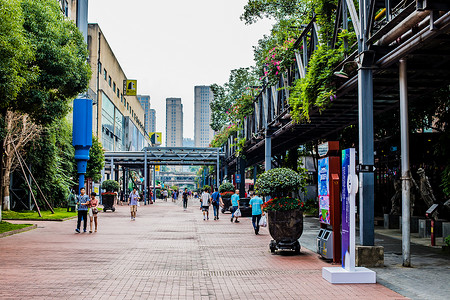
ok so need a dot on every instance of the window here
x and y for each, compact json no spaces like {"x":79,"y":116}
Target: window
{"x":118,"y":92}
{"x":114,"y":87}
{"x":105,"y":73}
{"x":109,"y":80}
{"x":99,"y":67}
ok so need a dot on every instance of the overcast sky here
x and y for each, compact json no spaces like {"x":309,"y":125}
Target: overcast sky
{"x":171,"y":46}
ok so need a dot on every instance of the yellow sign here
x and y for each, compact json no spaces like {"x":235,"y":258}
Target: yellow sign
{"x":130,"y":87}
{"x":155,"y":138}
{"x":157,"y":167}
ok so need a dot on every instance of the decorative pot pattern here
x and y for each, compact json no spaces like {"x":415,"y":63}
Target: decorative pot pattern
{"x":285,"y":226}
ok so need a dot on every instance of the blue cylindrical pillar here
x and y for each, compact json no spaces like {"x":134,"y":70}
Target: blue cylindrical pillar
{"x":82,"y":135}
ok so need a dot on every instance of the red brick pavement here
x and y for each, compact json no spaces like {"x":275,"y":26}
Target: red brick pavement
{"x":167,"y":253}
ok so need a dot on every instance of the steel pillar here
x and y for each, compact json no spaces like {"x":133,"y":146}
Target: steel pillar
{"x":406,"y":179}
{"x":217,"y":171}
{"x":145,"y":176}
{"x":112,"y":169}
{"x":154,"y":182}
{"x":268,"y":152}
{"x":365,"y":125}
{"x":242,"y":164}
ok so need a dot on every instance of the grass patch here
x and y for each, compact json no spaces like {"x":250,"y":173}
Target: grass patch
{"x":60,"y":213}
{"x":5,"y":226}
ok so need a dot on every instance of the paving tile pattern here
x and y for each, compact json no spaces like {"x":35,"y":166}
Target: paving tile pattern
{"x":167,"y":253}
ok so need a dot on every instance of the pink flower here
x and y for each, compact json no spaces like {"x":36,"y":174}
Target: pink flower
{"x":276,"y":73}
{"x":273,"y":55}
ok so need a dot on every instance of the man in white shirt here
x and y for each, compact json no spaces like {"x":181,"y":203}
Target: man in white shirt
{"x":206,"y":201}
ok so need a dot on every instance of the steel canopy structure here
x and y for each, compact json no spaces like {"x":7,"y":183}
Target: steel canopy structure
{"x":179,"y":156}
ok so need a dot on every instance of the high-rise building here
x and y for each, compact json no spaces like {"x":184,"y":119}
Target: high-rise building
{"x":174,"y":122}
{"x":152,"y":120}
{"x":203,"y":134}
{"x":145,"y":102}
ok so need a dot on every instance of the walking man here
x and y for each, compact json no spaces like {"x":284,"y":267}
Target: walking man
{"x":83,"y":202}
{"x":185,"y":198}
{"x":255,"y":204}
{"x":216,"y":203}
{"x":133,"y":202}
{"x":235,"y":203}
{"x":206,"y":201}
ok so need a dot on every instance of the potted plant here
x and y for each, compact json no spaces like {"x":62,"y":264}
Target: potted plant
{"x":226,"y":190}
{"x":110,"y":187}
{"x":284,"y":209}
{"x":446,"y":247}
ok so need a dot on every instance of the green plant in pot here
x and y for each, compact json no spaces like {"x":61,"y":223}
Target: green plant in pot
{"x":226,"y":189}
{"x":284,"y":209}
{"x":110,"y":187}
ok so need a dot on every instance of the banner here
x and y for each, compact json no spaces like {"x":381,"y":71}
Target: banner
{"x":324,"y":191}
{"x":155,"y":138}
{"x":130,"y":87}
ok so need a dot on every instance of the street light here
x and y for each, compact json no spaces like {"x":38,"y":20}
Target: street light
{"x":342,"y":73}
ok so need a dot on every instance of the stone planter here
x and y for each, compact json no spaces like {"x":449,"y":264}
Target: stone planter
{"x":285,"y":227}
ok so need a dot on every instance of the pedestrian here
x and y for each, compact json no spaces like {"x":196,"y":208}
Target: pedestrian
{"x":205,"y":199}
{"x":133,"y":202}
{"x":93,"y":211}
{"x":235,"y":204}
{"x":255,"y":205}
{"x":216,"y":203}
{"x":166,"y":194}
{"x":82,"y":202}
{"x":185,"y":198}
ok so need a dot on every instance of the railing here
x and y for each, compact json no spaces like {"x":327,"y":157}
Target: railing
{"x":387,"y":21}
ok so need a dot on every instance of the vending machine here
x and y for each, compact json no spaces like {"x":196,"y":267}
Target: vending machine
{"x":329,"y":169}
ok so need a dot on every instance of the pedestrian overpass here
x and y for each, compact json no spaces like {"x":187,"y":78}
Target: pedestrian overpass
{"x":153,"y":156}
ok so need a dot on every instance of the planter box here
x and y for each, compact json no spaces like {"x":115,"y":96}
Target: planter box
{"x":285,"y":226}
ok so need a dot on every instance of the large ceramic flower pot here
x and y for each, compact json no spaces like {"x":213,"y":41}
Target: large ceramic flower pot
{"x":108,"y":202}
{"x":285,"y":226}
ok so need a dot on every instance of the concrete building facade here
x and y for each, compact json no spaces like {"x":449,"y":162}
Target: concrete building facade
{"x":118,"y":119}
{"x":203,"y":134}
{"x":174,"y":122}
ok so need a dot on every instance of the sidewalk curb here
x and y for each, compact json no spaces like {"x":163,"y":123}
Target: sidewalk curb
{"x":8,"y":233}
{"x":53,"y":220}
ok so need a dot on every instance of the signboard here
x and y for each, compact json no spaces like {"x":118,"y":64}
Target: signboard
{"x":324,"y":191}
{"x":155,"y":138}
{"x":130,"y":87}
{"x":157,"y":168}
{"x":238,"y":178}
{"x":348,"y":176}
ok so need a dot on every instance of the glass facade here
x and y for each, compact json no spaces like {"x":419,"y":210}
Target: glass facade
{"x":113,"y":133}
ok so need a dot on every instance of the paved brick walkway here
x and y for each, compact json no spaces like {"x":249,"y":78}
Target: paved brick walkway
{"x":167,"y":253}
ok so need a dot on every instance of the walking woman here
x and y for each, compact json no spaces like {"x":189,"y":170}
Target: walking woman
{"x":93,"y":211}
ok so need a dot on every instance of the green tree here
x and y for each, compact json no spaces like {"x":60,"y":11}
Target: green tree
{"x":46,"y":55}
{"x":51,"y":157}
{"x":96,"y":160}
{"x":15,"y":53}
{"x":60,"y":64}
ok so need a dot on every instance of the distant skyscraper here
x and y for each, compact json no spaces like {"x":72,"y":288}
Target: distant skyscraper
{"x":174,"y":122}
{"x":152,"y":121}
{"x":145,"y":103}
{"x":203,"y":134}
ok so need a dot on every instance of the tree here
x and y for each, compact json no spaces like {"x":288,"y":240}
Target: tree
{"x":45,"y":54}
{"x":15,"y":53}
{"x":96,"y":160}
{"x":52,"y":161}
{"x":19,"y":131}
{"x":275,"y":9}
{"x":60,"y":64}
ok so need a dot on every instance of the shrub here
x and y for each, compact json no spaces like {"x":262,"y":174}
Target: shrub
{"x":447,"y":240}
{"x":110,"y":185}
{"x":226,"y":187}
{"x":206,"y":187}
{"x":280,"y":182}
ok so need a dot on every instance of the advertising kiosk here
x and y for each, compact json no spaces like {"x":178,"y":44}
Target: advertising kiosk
{"x":329,"y":237}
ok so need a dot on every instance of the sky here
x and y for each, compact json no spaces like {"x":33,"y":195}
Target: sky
{"x":172,"y":46}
